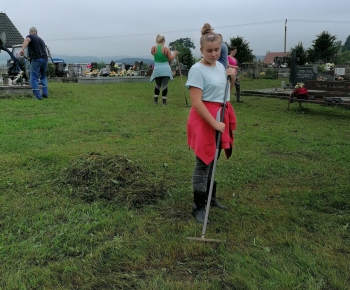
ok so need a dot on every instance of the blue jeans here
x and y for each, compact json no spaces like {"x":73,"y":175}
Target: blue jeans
{"x":38,"y":68}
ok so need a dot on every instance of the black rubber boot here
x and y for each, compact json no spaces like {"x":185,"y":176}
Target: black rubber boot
{"x":199,"y":204}
{"x":164,"y":102}
{"x":214,"y":202}
{"x":156,"y":100}
{"x":239,"y":97}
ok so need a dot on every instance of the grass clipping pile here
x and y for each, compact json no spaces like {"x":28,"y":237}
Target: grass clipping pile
{"x":116,"y":178}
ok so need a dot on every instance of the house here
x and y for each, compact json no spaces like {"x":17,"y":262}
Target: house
{"x":13,"y":36}
{"x":270,"y":56}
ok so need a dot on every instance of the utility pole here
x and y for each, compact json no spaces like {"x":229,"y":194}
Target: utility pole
{"x":285,"y":37}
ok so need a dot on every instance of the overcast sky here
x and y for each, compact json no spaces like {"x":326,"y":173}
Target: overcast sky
{"x":129,"y":27}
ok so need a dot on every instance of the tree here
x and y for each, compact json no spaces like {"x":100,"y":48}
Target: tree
{"x":244,"y":53}
{"x":325,"y":47}
{"x":346,"y":46}
{"x":344,"y":57}
{"x":183,"y":46}
{"x":186,"y":42}
{"x":51,"y":69}
{"x":301,"y":53}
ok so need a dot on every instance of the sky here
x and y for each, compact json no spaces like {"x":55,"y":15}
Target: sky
{"x":129,"y":27}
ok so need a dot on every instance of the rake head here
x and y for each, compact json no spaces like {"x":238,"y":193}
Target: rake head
{"x":204,"y":240}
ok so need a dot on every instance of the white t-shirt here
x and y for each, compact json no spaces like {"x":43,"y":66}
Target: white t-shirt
{"x":210,"y":79}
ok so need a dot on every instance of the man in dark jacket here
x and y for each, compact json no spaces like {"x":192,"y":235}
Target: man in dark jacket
{"x":38,"y":63}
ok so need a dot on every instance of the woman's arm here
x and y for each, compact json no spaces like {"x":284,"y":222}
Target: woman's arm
{"x":153,"y":50}
{"x":168,"y":54}
{"x":197,"y":103}
{"x":232,"y":72}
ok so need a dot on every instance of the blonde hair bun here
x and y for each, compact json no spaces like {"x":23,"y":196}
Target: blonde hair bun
{"x":206,"y":28}
{"x":160,"y":38}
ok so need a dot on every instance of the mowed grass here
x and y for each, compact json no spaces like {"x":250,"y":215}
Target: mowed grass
{"x":286,"y":185}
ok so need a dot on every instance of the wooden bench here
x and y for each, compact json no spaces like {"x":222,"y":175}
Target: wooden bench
{"x":329,"y":93}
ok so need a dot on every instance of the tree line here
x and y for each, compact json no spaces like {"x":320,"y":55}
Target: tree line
{"x":325,"y":48}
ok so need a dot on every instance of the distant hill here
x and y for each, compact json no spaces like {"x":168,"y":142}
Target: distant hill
{"x":105,"y":59}
{"x":87,"y":59}
{"x":132,"y":60}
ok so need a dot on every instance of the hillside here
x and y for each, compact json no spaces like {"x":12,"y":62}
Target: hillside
{"x":87,"y":59}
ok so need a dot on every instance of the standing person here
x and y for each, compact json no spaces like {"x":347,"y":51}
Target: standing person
{"x":232,"y":61}
{"x":162,"y":71}
{"x":223,"y":59}
{"x":38,"y":63}
{"x":207,"y":81}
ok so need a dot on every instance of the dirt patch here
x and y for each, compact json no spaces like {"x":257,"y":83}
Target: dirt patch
{"x":116,"y":178}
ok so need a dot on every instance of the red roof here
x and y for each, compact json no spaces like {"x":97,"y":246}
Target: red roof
{"x":269,"y":57}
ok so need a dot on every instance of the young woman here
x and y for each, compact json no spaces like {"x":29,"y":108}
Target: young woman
{"x":232,"y":62}
{"x":162,"y":72}
{"x":207,"y":83}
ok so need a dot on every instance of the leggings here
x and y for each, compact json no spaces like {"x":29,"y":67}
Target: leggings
{"x":161,"y":83}
{"x":237,"y":85}
{"x":202,"y":175}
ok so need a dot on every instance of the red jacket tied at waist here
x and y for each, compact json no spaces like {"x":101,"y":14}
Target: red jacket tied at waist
{"x":201,"y":136}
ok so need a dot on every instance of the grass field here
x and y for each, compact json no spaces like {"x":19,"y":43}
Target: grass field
{"x":286,"y":185}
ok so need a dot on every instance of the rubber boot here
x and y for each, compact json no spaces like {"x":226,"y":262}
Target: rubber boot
{"x":164,"y":102}
{"x":238,"y":93}
{"x":199,"y":202}
{"x":156,"y":100}
{"x":214,"y":202}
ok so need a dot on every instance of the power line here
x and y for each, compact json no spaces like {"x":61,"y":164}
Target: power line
{"x":319,"y":21}
{"x":165,"y":32}
{"x":196,"y":29}
{"x":6,"y":8}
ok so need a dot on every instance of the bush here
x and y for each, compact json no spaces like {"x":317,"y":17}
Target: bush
{"x":268,"y":74}
{"x":51,"y":70}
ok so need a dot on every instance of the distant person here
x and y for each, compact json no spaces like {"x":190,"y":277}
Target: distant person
{"x":207,"y":81}
{"x":38,"y":63}
{"x":162,"y":71}
{"x":223,"y":59}
{"x":111,"y":65}
{"x":232,"y":61}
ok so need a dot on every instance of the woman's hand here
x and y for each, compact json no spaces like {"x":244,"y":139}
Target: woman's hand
{"x":232,"y":72}
{"x":219,"y":126}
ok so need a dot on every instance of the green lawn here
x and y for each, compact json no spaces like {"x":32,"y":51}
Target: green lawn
{"x":286,"y":185}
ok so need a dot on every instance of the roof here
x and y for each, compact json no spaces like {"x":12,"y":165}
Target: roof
{"x":57,"y":60}
{"x":13,"y":36}
{"x":269,"y":57}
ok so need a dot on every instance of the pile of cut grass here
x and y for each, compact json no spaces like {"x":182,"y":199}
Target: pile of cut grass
{"x":116,"y":178}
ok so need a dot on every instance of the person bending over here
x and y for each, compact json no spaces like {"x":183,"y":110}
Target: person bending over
{"x":38,"y":62}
